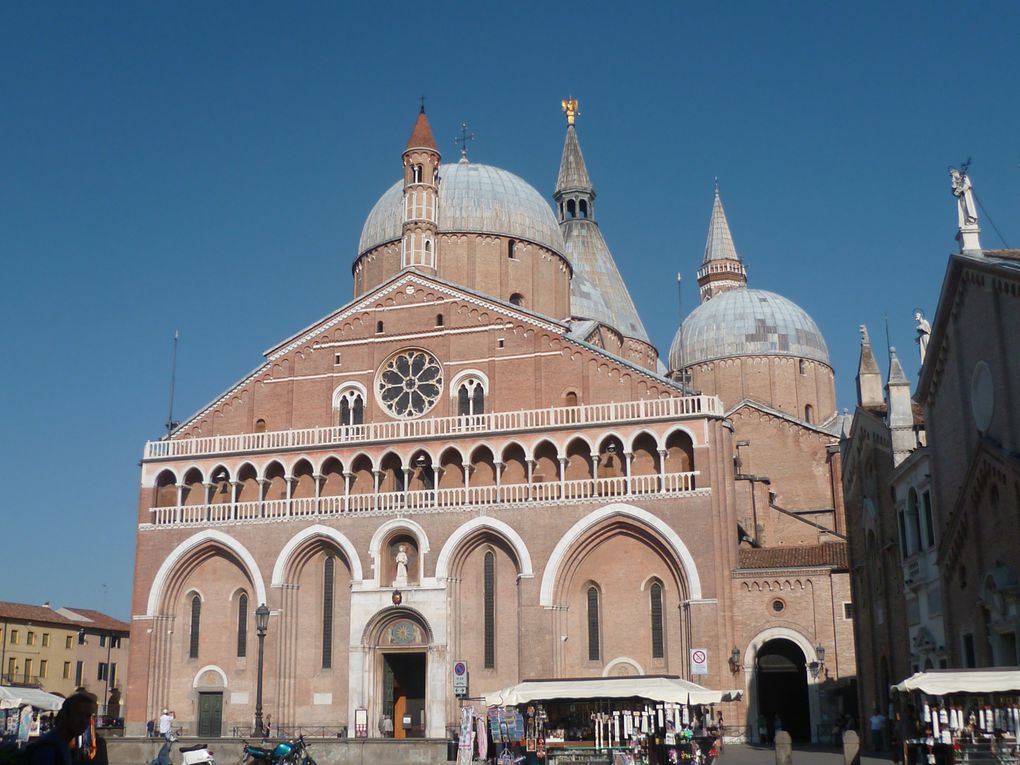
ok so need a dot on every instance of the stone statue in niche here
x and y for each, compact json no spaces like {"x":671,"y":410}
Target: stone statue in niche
{"x":401,"y":560}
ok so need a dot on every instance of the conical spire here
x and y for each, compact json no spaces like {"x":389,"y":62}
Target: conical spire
{"x":900,"y":413}
{"x":421,"y":136}
{"x":721,"y":268}
{"x":869,"y":376}
{"x":573,"y":173}
{"x":896,"y":375}
{"x":719,"y":245}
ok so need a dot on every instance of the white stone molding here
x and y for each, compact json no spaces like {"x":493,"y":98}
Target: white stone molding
{"x":458,"y":378}
{"x":209,"y":668}
{"x":375,"y":545}
{"x":575,"y":532}
{"x":493,"y":524}
{"x":341,"y":389}
{"x":303,"y":536}
{"x":665,"y":436}
{"x":189,"y":545}
{"x":622,"y":660}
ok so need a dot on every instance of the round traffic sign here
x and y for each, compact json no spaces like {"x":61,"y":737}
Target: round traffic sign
{"x":699,"y":657}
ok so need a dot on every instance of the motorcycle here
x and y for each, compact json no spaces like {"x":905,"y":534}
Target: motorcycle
{"x":198,"y":754}
{"x":293,"y":752}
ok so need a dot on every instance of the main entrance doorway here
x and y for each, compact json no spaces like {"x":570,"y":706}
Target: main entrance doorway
{"x":210,"y":714}
{"x":404,"y":692}
{"x":782,"y":688}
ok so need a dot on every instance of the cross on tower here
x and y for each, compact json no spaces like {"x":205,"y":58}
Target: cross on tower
{"x":463,"y":138}
{"x":422,"y":100}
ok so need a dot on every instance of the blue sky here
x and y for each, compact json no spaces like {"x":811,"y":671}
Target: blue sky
{"x":207,"y":167}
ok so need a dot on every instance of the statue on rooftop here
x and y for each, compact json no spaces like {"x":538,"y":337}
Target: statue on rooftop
{"x":923,"y":333}
{"x":964,"y":193}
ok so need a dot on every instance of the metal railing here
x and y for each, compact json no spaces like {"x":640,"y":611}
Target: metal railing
{"x":426,"y":499}
{"x":290,"y":733}
{"x":21,"y":680}
{"x":438,"y":427}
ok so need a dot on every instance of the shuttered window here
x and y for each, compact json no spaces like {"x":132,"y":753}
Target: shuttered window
{"x":242,"y":625}
{"x":327,"y":611}
{"x":196,"y":618}
{"x":594,"y":649}
{"x":490,"y":609}
{"x":655,"y":593}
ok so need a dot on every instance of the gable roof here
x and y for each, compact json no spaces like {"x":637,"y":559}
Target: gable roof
{"x":828,"y":554}
{"x":65,"y":617}
{"x":405,"y":278}
{"x":831,"y":427}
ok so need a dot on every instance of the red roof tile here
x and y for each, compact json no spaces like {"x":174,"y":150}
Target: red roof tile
{"x":101,"y":621}
{"x":28,"y":612}
{"x":832,"y":554}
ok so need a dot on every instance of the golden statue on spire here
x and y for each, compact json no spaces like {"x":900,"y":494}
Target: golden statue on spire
{"x":570,"y":109}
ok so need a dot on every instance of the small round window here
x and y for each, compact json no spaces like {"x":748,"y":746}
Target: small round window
{"x":777,"y":606}
{"x":409,"y":383}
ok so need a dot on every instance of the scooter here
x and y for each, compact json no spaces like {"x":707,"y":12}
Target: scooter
{"x":198,"y":754}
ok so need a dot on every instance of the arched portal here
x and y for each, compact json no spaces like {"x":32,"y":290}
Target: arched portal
{"x":400,"y":674}
{"x":780,"y":670}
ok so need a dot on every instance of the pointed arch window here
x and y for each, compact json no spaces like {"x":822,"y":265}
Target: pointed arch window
{"x":196,"y":621}
{"x":242,"y":625}
{"x":571,"y":209}
{"x":470,"y":398}
{"x":655,"y":607}
{"x":594,"y":644}
{"x":583,"y":208}
{"x":328,"y":574}
{"x":349,"y":404}
{"x":416,"y":174}
{"x":489,"y":606}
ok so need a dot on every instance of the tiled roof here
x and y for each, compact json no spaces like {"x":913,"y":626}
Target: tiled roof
{"x":72,"y":618}
{"x":99,"y":620}
{"x":832,"y":554}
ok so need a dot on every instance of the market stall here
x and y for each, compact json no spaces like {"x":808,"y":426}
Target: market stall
{"x":19,"y":708}
{"x":619,"y":720}
{"x":963,"y":715}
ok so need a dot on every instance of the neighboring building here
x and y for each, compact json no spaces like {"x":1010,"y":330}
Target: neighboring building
{"x":63,"y":650}
{"x":897,"y":616}
{"x":970,"y":389}
{"x":476,"y":459}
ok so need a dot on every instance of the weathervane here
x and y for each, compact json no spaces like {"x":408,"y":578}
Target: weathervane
{"x":570,"y":109}
{"x":463,"y":139}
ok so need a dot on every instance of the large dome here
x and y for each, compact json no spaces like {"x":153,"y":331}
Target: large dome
{"x":473,"y":198}
{"x":747,"y":322}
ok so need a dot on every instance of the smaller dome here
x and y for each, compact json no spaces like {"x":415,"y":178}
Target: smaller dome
{"x":747,"y":322}
{"x":473,"y":198}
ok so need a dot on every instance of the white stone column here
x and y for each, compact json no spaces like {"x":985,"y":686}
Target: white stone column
{"x":594,"y":474}
{"x":628,"y":458}
{"x":317,"y":478}
{"x":531,"y":473}
{"x":662,"y":470}
{"x":235,"y":488}
{"x":348,"y":475}
{"x":563,"y":475}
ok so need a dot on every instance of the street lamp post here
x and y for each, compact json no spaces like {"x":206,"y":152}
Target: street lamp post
{"x":261,"y":624}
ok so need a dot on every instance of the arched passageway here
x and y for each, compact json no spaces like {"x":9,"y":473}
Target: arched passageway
{"x":781,"y":671}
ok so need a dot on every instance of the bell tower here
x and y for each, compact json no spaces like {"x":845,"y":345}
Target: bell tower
{"x":421,"y":198}
{"x":721,"y":269}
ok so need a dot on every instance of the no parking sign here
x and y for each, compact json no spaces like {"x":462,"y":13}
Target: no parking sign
{"x":460,"y":678}
{"x":699,"y":661}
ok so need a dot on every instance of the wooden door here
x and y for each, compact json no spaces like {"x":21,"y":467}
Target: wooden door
{"x":210,"y":714}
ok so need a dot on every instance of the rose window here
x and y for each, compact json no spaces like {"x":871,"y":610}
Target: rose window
{"x":409,"y":383}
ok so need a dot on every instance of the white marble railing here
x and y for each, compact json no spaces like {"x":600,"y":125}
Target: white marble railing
{"x":439,"y":427}
{"x":427,"y":499}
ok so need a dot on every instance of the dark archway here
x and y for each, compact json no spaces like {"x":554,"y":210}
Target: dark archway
{"x":782,"y":688}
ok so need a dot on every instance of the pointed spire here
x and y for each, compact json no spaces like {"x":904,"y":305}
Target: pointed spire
{"x":421,"y":136}
{"x":869,"y":376}
{"x":719,"y":245}
{"x":721,"y":268}
{"x":573,"y":172}
{"x":896,"y":375}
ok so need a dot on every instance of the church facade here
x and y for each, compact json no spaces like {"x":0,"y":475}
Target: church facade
{"x":481,"y":459}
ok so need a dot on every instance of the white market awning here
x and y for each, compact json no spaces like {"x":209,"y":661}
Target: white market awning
{"x":653,"y":688}
{"x":20,"y":697}
{"x":939,"y":682}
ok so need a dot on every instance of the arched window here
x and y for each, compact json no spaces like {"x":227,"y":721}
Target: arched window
{"x":489,"y":607}
{"x":929,"y":524}
{"x":352,"y":410}
{"x":809,"y":413}
{"x":570,"y":399}
{"x":439,"y":320}
{"x":583,"y":205}
{"x":196,"y":618}
{"x":470,"y":398}
{"x":328,"y":571}
{"x":416,"y":174}
{"x":428,"y":252}
{"x":260,"y":425}
{"x":594,"y":647}
{"x":913,"y":522}
{"x":517,"y":299}
{"x":378,"y":327}
{"x":655,"y":596}
{"x":803,"y":367}
{"x":242,"y":625}
{"x":571,"y":208}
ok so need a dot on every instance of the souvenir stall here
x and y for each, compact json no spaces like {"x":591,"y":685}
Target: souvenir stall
{"x":649,"y":720}
{"x":959,"y":716}
{"x":20,"y":710}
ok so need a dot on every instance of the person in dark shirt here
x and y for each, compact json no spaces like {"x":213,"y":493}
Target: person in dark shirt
{"x":72,"y":720}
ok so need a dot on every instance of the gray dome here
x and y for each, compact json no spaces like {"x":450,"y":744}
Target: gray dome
{"x":473,"y":198}
{"x":747,"y":322}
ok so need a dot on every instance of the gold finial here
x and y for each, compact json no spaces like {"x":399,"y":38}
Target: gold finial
{"x":570,"y":109}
